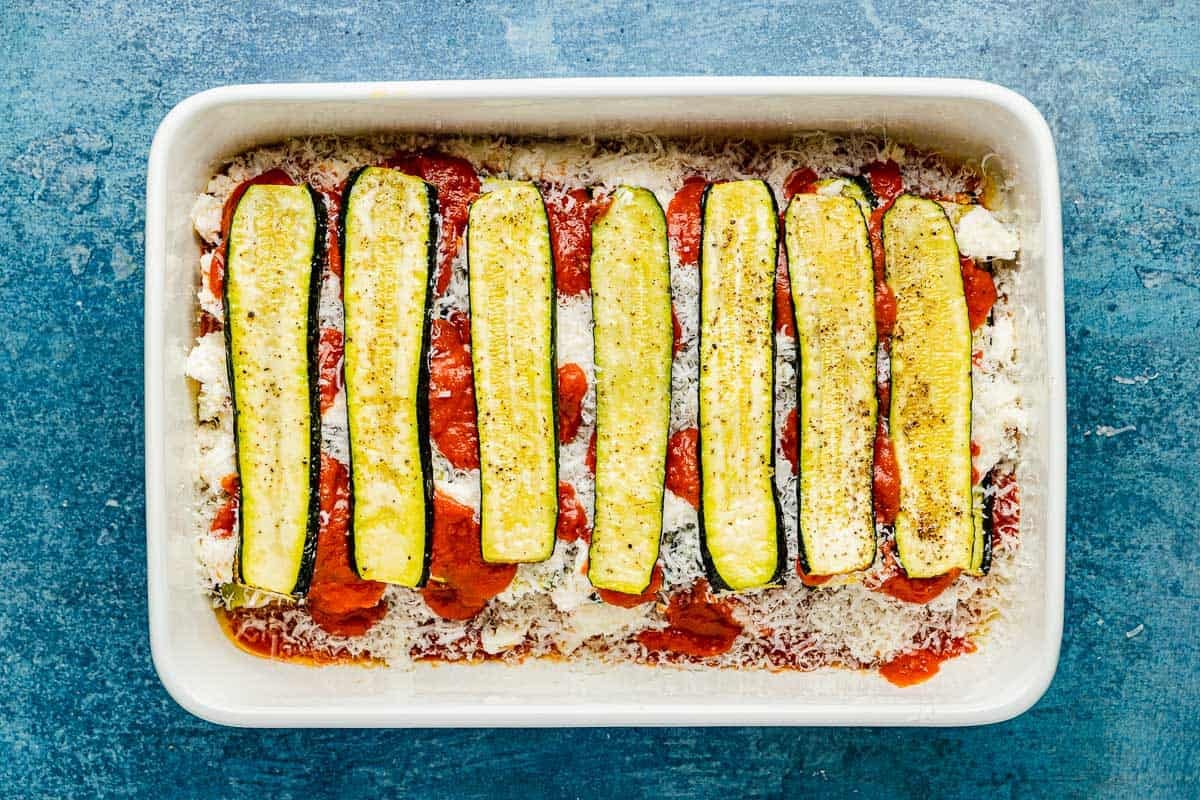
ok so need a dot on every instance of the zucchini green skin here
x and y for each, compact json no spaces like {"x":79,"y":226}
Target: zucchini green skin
{"x":766,"y":574}
{"x":930,"y":419}
{"x":981,"y":551}
{"x":832,"y":280}
{"x":308,"y":550}
{"x":508,"y":231}
{"x":631,"y":306}
{"x":402,"y":575}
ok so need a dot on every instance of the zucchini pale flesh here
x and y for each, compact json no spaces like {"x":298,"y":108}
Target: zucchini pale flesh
{"x":631,"y":306}
{"x":511,"y":284}
{"x":832,"y":279}
{"x":389,"y":239}
{"x":272,"y":275}
{"x":930,"y":421}
{"x":741,"y":530}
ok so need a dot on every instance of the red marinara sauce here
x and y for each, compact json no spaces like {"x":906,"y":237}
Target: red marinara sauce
{"x":886,"y":184}
{"x":911,"y":590}
{"x":980,"y":290}
{"x":800,"y":181}
{"x":683,"y":220}
{"x":808,"y":579}
{"x":589,"y":460}
{"x":571,"y":215}
{"x":909,"y":669}
{"x":457,"y":186}
{"x":333,"y":245}
{"x":460,"y":581}
{"x":572,"y":387}
{"x":572,"y":518}
{"x":698,"y":625}
{"x":329,"y":364}
{"x":452,"y":392}
{"x":648,"y":595}
{"x":339,"y":600}
{"x":886,"y":478}
{"x":225,"y":520}
{"x":683,"y":466}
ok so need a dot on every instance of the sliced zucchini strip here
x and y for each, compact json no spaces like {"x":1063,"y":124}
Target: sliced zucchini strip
{"x":389,"y":241}
{"x":856,"y":188}
{"x":741,"y":531}
{"x":272,"y":272}
{"x":832,"y":278}
{"x":631,"y":306}
{"x":930,"y":417}
{"x":511,"y":283}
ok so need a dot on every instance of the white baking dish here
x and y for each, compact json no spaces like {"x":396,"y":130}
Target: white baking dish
{"x":212,"y":679}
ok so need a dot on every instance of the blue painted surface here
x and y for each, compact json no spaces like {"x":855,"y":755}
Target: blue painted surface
{"x":81,"y":711}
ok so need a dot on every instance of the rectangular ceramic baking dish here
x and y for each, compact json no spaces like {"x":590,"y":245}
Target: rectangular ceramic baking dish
{"x":213,"y":680}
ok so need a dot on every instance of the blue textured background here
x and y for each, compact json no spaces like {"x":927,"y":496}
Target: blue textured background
{"x":84,"y":86}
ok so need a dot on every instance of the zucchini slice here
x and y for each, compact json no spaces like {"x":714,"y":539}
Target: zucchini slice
{"x":631,"y":306}
{"x":856,"y":188}
{"x":511,"y":285}
{"x":272,"y":278}
{"x":741,"y":531}
{"x":833,"y":288}
{"x":930,"y":419}
{"x":389,"y":245}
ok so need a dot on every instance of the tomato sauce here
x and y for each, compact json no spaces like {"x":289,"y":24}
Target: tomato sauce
{"x":698,"y":625}
{"x":460,"y":581}
{"x":980,"y":290}
{"x":572,"y":386}
{"x":910,"y":590}
{"x":329,"y":363}
{"x":886,"y":182}
{"x":800,"y":181}
{"x":457,"y":186}
{"x":785,"y":315}
{"x":452,"y":392}
{"x":808,"y":579}
{"x":338,"y":600}
{"x":886,"y":479}
{"x":572,"y":518}
{"x":683,"y":466}
{"x":225,"y":520}
{"x":683,"y":220}
{"x":909,"y":669}
{"x":649,"y":595}
{"x":571,"y":215}
{"x":790,"y":440}
{"x":333,"y":245}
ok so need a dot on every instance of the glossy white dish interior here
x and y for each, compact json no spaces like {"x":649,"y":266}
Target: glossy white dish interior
{"x":209,"y":677}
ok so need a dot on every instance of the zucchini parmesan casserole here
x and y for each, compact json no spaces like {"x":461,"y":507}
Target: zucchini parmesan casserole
{"x":710,"y":404}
